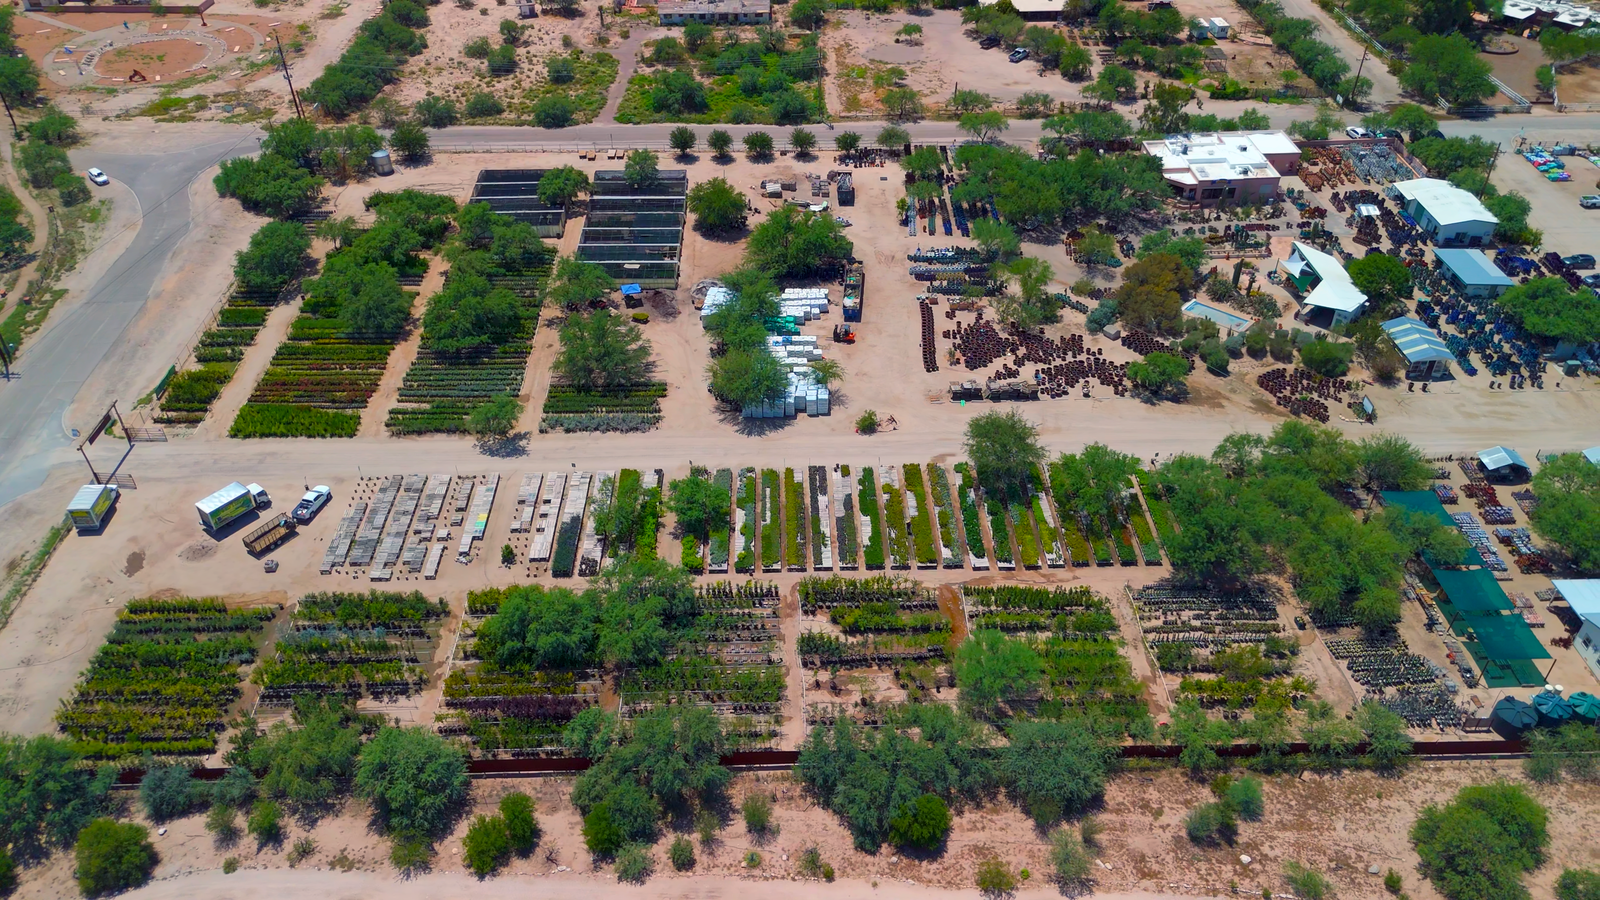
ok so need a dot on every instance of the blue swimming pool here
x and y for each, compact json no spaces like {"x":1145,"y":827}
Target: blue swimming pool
{"x":1223,"y":318}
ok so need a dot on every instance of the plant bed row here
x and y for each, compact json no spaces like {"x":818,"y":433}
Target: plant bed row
{"x":951,"y":533}
{"x":163,"y":681}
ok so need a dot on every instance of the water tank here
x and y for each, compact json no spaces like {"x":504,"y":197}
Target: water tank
{"x":381,"y":163}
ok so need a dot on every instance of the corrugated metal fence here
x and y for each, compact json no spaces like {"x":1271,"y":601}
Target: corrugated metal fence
{"x":770,"y":759}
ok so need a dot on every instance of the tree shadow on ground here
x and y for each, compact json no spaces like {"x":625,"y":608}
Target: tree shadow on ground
{"x":509,"y":447}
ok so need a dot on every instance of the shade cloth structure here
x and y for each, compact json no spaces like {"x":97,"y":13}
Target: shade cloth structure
{"x":1507,"y":638}
{"x":1474,"y":591}
{"x":1585,"y":706}
{"x":1553,"y":709}
{"x":1426,"y":502}
{"x":1512,"y":718}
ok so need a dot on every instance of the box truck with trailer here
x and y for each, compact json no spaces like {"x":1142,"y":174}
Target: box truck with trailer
{"x":91,"y":506}
{"x":230,"y":503}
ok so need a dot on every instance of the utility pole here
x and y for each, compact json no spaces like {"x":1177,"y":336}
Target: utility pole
{"x":14,"y":129}
{"x":1492,"y":160}
{"x":1354,"y":83}
{"x":295,"y":98}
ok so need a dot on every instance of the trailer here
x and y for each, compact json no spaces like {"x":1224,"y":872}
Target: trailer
{"x":274,"y":532}
{"x":91,"y":506}
{"x":855,"y":286}
{"x":230,"y":503}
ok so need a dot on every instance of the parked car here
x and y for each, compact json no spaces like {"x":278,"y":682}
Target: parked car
{"x":1356,"y":132}
{"x":99,"y":177}
{"x":1592,"y":281}
{"x":314,"y":500}
{"x":989,"y":42}
{"x":1579,"y":261}
{"x":1589,"y":201}
{"x":1018,"y":55}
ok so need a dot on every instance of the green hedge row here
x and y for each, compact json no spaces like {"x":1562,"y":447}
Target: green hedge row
{"x":1027,"y":543}
{"x":292,"y":420}
{"x":971,"y":521}
{"x":894,"y":519}
{"x":794,"y":506}
{"x":770,"y":537}
{"x":1049,"y":536}
{"x":691,"y":556}
{"x":719,"y":530}
{"x":922,"y":522}
{"x":944,"y":507}
{"x":746,"y":561}
{"x":1001,"y":530}
{"x":817,"y":476}
{"x":566,"y":553}
{"x":868,"y":501}
{"x":644,"y":542}
{"x":1124,"y":538}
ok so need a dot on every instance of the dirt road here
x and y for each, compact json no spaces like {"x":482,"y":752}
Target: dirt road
{"x":276,"y":883}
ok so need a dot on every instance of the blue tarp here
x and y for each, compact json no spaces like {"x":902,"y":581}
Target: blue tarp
{"x":628,"y":289}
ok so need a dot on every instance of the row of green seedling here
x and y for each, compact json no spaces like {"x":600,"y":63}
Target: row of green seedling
{"x":971,"y":517}
{"x":717,"y":562}
{"x":951,"y":534}
{"x":847,"y":521}
{"x":894,"y":517}
{"x":921,"y":519}
{"x":745,"y":522}
{"x":820,"y":518}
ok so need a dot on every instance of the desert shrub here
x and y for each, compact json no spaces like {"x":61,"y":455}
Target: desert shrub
{"x":1245,"y":796}
{"x":994,"y":877}
{"x":487,"y":846}
{"x":1479,"y":844}
{"x":1069,"y":856}
{"x":635,"y":864}
{"x":265,"y":823}
{"x":1210,"y":823}
{"x":681,"y":854}
{"x":1307,"y":883}
{"x":1578,"y":884}
{"x":757,"y":810}
{"x":516,"y":808}
{"x":113,"y":856}
{"x":167,"y":792}
{"x":923,"y":824}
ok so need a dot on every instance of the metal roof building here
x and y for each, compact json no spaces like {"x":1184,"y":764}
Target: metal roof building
{"x":1453,"y":216}
{"x":1426,"y":355}
{"x":1592,"y":455}
{"x":1324,"y":282}
{"x":1503,"y":463}
{"x":1583,"y":595}
{"x":1473,"y":273}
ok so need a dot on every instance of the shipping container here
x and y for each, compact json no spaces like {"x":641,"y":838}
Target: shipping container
{"x":91,"y":506}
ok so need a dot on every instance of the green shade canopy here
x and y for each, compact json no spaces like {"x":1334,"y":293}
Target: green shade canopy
{"x":1585,"y":706}
{"x":1419,"y":502}
{"x":1475,"y":591}
{"x":1507,"y":637}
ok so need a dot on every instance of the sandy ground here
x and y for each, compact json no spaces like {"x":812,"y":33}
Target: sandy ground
{"x":1339,"y":824}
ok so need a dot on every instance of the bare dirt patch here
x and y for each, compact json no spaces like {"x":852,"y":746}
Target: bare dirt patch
{"x":154,"y":58}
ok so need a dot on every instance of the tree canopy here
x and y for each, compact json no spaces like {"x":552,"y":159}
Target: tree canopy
{"x":1477,"y":846}
{"x":1547,"y":308}
{"x":717,"y":206}
{"x":601,"y":351}
{"x":414,"y":779}
{"x":1568,"y":514}
{"x":1004,"y":447}
{"x":793,"y":243}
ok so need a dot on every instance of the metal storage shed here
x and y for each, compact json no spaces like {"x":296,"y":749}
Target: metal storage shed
{"x":1453,"y":216}
{"x":1473,"y":273}
{"x":1427,"y":356}
{"x":1503,"y":463}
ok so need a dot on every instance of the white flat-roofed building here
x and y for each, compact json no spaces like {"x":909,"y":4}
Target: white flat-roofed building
{"x":1231,"y":168}
{"x":715,"y":12}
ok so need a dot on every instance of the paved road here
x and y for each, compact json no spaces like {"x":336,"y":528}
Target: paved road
{"x":53,"y":368}
{"x":33,"y":436}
